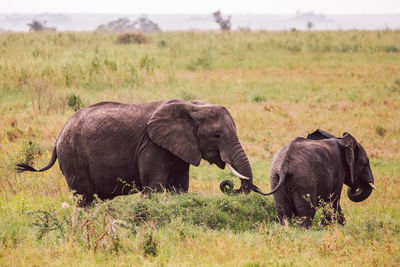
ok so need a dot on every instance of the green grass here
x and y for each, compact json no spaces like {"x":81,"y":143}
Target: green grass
{"x":277,"y":85}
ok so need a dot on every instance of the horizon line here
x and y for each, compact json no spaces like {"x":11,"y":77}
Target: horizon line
{"x":198,"y":14}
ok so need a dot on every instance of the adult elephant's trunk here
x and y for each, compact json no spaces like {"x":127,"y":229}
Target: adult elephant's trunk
{"x":239,"y":164}
{"x":361,"y":193}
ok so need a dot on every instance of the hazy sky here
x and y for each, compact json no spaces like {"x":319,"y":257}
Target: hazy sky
{"x":202,"y":6}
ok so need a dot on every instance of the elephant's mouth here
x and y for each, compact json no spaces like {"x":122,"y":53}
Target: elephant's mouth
{"x":220,"y":164}
{"x":213,"y":157}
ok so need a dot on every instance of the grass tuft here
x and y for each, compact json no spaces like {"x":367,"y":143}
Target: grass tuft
{"x":133,"y":38}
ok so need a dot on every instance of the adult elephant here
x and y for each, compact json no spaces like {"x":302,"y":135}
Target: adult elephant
{"x":109,"y":147}
{"x":315,"y":168}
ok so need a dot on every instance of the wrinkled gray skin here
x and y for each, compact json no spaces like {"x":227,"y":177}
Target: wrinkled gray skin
{"x":108,"y":147}
{"x":308,"y":170}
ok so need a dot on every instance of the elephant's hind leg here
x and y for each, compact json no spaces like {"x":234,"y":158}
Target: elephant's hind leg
{"x":305,"y":207}
{"x":283,"y":206}
{"x":79,"y":182}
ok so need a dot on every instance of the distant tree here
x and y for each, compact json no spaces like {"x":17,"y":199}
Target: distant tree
{"x":310,"y":25}
{"x":142,"y":24}
{"x":146,"y":25}
{"x":37,"y":26}
{"x":225,"y":24}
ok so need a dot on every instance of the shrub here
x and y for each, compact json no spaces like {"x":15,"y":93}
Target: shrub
{"x":187,"y":95}
{"x":150,"y":245}
{"x":294,"y":47}
{"x":14,"y":133}
{"x":396,"y":85}
{"x":147,"y":63}
{"x":390,"y":49}
{"x":380,"y":130}
{"x":30,"y":149}
{"x":258,"y":98}
{"x":162,"y":43}
{"x":133,"y":38}
{"x":203,"y":62}
{"x":75,"y":102}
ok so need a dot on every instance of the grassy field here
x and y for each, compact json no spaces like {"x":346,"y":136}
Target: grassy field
{"x":277,"y":85}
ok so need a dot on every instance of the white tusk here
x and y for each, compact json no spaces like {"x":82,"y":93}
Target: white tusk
{"x":372,"y":185}
{"x":236,"y":173}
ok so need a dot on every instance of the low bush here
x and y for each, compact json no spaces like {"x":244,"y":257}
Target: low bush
{"x":133,"y":38}
{"x":30,"y":151}
{"x":75,"y":102}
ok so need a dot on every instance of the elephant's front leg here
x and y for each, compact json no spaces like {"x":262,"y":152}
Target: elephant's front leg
{"x":159,"y":169}
{"x":333,"y":212}
{"x":337,"y":213}
{"x":340,"y":216}
{"x":179,"y":180}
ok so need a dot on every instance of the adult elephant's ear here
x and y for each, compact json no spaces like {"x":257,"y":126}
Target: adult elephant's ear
{"x":350,"y":146}
{"x":172,"y":128}
{"x":319,"y":135}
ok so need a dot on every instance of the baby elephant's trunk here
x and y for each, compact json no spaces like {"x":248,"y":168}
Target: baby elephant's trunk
{"x":361,"y":193}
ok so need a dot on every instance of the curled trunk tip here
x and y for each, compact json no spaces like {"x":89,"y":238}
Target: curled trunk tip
{"x":359,"y":194}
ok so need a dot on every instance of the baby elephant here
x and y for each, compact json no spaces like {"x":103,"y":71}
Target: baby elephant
{"x":306,"y":171}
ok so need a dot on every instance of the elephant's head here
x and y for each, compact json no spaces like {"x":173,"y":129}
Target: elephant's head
{"x":359,"y":176}
{"x":196,"y":130}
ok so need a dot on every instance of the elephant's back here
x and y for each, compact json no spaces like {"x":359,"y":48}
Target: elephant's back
{"x":102,"y":137}
{"x":106,"y":119}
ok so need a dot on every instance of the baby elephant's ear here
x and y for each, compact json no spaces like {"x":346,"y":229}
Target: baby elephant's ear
{"x":319,"y":135}
{"x":172,"y":128}
{"x":350,"y":143}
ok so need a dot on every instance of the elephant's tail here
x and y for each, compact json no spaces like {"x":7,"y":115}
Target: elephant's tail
{"x":282,"y":178}
{"x":21,"y":167}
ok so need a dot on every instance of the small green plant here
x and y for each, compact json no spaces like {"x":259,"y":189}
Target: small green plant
{"x":111,"y":64}
{"x":396,"y":85}
{"x":258,"y":98}
{"x":94,"y":66}
{"x":132,"y":189}
{"x":203,"y":62}
{"x":14,"y":133}
{"x":133,"y":38}
{"x":147,"y":63}
{"x":69,"y":74}
{"x":30,"y":149}
{"x":75,"y":102}
{"x":390,"y":49}
{"x":380,"y":130}
{"x":293,"y":46}
{"x":46,"y":222}
{"x":162,"y":44}
{"x":325,"y":216}
{"x":187,"y":95}
{"x":150,"y":245}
